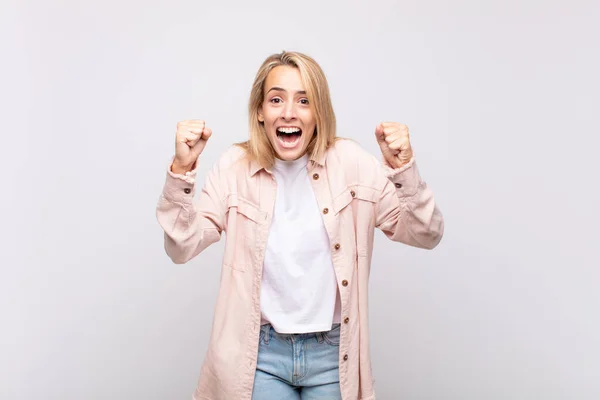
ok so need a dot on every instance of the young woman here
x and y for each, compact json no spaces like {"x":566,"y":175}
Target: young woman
{"x":299,"y":207}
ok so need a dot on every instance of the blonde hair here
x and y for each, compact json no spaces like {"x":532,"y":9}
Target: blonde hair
{"x":258,"y":147}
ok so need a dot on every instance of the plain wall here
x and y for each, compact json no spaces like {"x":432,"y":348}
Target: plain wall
{"x":502,"y":101}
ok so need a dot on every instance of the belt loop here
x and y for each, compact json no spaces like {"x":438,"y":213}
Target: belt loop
{"x":265,"y":333}
{"x":268,"y":329}
{"x":320,"y":337}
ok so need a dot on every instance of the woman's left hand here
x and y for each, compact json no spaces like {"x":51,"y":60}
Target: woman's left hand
{"x":394,"y":141}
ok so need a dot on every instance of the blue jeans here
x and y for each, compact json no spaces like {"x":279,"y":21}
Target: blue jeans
{"x":297,"y":366}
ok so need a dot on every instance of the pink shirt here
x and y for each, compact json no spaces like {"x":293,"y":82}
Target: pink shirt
{"x":356,"y":194}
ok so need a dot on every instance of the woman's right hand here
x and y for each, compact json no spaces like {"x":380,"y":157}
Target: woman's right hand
{"x":190,"y":140}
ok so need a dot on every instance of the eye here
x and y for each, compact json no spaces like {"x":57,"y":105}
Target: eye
{"x":304,"y":101}
{"x":275,"y":100}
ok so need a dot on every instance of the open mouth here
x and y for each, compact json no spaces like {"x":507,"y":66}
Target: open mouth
{"x":289,"y":136}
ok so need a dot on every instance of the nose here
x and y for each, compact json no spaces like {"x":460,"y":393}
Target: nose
{"x":289,"y":111}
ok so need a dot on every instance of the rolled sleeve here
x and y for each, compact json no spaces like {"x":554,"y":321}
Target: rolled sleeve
{"x":406,"y":179}
{"x":180,"y":188}
{"x":407,"y":211}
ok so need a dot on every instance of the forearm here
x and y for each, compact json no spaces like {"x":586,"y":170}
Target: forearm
{"x":407,"y":211}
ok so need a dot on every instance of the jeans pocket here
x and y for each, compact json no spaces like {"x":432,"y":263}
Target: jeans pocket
{"x":333,"y":336}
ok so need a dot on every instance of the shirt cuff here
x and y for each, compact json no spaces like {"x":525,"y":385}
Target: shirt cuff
{"x":406,"y":179}
{"x":180,"y":188}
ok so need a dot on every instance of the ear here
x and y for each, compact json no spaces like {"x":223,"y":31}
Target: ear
{"x":261,"y":117}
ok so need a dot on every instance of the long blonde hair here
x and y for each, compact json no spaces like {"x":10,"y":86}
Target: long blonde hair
{"x":258,"y":147}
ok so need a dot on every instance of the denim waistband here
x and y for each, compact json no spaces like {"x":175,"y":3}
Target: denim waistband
{"x":268,"y":332}
{"x":268,"y":329}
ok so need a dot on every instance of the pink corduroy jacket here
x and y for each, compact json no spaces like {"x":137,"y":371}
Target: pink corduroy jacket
{"x":356,"y":194}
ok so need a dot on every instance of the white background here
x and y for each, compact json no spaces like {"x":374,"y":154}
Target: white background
{"x":502,"y":100}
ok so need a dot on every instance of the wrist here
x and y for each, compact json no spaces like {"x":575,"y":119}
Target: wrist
{"x":177,"y":168}
{"x":401,"y":163}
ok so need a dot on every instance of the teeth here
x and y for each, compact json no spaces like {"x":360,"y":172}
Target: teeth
{"x":288,"y":130}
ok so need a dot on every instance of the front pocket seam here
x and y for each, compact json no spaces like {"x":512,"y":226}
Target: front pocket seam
{"x":329,"y":341}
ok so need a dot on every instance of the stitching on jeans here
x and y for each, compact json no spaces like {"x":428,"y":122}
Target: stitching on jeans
{"x":329,"y":340}
{"x":261,"y":337}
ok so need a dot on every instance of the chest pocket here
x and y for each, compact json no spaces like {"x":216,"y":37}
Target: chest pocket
{"x":356,"y":208}
{"x":242,"y":221}
{"x":361,"y":193}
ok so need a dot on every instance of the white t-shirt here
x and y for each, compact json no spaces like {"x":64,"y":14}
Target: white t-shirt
{"x":299,"y":290}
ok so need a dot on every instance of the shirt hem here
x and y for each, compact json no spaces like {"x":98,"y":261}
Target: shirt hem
{"x":300,"y":329}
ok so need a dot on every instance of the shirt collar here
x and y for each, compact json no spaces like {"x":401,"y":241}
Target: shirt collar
{"x":255,"y":166}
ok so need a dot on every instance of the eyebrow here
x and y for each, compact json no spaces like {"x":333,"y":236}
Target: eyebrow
{"x":277,"y":88}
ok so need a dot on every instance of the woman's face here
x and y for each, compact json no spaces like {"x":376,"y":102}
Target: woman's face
{"x":288,"y":119}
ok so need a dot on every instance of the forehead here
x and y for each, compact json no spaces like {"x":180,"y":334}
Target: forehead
{"x":285,"y":77}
